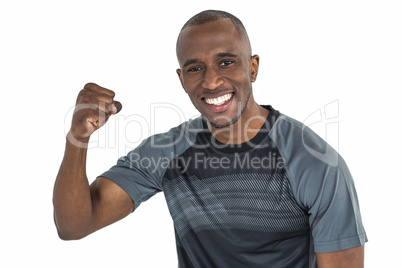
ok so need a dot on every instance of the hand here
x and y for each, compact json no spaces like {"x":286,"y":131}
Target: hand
{"x":93,"y":108}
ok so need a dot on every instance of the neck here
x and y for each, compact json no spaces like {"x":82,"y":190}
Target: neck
{"x":246,"y":128}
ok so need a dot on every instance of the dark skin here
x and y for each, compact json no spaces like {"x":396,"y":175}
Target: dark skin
{"x":80,"y":208}
{"x":211,"y":75}
{"x":216,"y":71}
{"x":215,"y":61}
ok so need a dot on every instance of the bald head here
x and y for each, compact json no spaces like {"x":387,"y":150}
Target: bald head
{"x":213,"y":15}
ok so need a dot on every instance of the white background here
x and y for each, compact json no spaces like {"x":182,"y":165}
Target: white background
{"x":313,"y":54}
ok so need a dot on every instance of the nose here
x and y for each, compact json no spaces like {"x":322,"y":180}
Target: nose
{"x":211,"y":80}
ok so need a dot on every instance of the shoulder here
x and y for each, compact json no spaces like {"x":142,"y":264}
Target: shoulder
{"x":321,"y":183}
{"x":293,"y":138}
{"x":140,"y":172}
{"x":174,"y":141}
{"x":312,"y":165}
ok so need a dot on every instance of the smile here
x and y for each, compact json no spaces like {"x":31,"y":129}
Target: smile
{"x":219,"y":100}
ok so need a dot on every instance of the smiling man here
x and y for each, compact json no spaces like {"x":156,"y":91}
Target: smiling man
{"x":240,"y":184}
{"x":217,"y":70}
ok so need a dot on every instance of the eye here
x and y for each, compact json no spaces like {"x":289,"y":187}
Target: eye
{"x":193,"y":69}
{"x":226,"y":63}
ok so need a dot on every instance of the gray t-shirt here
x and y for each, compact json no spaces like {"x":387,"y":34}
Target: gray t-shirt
{"x":270,"y":202}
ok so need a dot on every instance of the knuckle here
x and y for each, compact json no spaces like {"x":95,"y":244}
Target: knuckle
{"x":82,"y":92}
{"x":90,"y":85}
{"x":85,"y":98}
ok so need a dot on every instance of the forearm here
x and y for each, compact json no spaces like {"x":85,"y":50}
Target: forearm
{"x":71,"y":196}
{"x":80,"y":209}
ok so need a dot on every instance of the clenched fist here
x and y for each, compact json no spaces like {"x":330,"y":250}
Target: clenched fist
{"x":93,"y":108}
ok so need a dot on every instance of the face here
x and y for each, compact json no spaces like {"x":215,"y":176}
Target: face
{"x":217,"y":70}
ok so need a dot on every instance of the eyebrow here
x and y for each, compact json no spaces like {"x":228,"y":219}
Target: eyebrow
{"x":188,"y":62}
{"x":226,"y":54}
{"x":219,"y":55}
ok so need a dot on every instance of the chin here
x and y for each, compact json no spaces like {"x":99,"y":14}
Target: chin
{"x":224,"y":123}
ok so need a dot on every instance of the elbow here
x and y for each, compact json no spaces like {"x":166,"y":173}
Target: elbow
{"x":69,"y":238}
{"x":70,"y":230}
{"x":66,"y":232}
{"x":69,"y":235}
{"x":65,"y":237}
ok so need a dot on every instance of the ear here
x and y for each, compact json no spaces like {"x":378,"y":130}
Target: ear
{"x":254,"y":64}
{"x":178,"y":71}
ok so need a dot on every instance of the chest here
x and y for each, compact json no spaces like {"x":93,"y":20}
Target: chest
{"x":239,"y":191}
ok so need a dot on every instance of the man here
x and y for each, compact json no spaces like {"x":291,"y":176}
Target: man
{"x":240,"y":184}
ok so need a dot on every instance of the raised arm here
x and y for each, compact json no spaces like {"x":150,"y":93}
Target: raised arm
{"x":80,"y":208}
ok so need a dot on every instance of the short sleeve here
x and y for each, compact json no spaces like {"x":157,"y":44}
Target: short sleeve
{"x":136,"y":174}
{"x":140,"y":172}
{"x":322,"y":185}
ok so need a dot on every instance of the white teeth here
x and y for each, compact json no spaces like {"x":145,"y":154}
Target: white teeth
{"x":220,"y":100}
